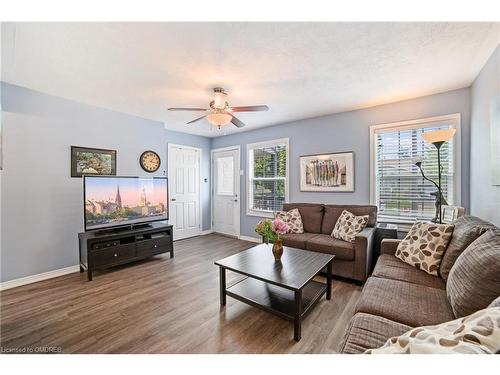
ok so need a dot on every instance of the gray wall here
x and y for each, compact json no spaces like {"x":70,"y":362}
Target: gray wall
{"x":485,"y":197}
{"x":349,"y":131}
{"x":41,"y":204}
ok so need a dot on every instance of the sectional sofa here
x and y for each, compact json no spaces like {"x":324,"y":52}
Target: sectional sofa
{"x":398,"y":296}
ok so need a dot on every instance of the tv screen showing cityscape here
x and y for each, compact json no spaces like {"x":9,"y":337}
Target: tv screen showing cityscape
{"x":117,"y":201}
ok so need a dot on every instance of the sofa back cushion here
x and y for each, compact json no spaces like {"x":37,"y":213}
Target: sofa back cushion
{"x":467,"y":230}
{"x":474,"y":280}
{"x":311,"y":213}
{"x":333,"y":212}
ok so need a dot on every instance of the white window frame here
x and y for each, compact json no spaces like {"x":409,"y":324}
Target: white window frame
{"x":452,"y":119}
{"x":252,"y":146}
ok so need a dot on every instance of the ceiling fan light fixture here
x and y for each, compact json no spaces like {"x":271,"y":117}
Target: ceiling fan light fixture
{"x":219,"y":118}
{"x":219,"y":98}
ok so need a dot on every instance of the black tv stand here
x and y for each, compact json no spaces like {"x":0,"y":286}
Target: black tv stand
{"x":103,"y":249}
{"x":141,"y":226}
{"x":102,"y":232}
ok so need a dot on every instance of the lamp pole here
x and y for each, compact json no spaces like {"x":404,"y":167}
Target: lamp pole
{"x":438,"y":147}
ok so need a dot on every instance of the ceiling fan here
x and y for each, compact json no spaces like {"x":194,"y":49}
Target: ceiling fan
{"x":220,"y":113}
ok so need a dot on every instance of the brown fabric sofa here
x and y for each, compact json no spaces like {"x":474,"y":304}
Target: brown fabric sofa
{"x":398,"y":297}
{"x":352,"y":260}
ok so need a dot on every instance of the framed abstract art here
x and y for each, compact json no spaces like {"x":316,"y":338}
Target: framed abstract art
{"x":333,"y":172}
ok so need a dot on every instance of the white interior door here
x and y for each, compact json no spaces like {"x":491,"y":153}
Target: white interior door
{"x":184,"y":191}
{"x":226,"y":191}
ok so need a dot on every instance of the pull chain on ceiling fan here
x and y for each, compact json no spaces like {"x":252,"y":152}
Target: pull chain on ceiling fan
{"x":220,"y":113}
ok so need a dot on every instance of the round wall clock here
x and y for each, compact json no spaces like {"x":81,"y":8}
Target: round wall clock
{"x":150,"y":161}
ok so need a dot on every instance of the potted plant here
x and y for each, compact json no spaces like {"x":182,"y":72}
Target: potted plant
{"x":270,"y":230}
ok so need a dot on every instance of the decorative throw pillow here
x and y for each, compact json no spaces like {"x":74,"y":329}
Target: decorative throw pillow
{"x":476,"y":333}
{"x":424,"y":246}
{"x":348,"y":226}
{"x":495,"y":303}
{"x":292,"y":218}
{"x":474,"y":280}
{"x":467,"y":230}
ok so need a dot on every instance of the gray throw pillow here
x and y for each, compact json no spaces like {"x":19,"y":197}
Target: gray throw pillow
{"x":467,"y":230}
{"x":474,"y":280}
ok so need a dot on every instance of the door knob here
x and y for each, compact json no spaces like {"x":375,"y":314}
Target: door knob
{"x":173,"y":199}
{"x":236,"y":200}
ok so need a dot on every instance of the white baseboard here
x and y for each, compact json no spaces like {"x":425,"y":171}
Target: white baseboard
{"x":39,"y":277}
{"x":64,"y":271}
{"x":251,"y":239}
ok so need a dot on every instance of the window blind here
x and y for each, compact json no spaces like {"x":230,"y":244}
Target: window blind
{"x":401,"y":192}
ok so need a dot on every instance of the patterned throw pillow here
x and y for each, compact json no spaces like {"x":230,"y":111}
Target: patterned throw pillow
{"x":476,"y":333}
{"x":292,"y":218}
{"x":348,"y":226}
{"x":424,"y":246}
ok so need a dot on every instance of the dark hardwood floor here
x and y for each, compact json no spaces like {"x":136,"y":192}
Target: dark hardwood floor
{"x":164,"y":305}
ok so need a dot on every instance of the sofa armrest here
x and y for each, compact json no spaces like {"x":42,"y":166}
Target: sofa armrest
{"x":363,"y":253}
{"x":389,"y":246}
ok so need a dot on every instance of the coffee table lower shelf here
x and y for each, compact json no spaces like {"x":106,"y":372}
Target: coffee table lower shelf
{"x":278,"y":300}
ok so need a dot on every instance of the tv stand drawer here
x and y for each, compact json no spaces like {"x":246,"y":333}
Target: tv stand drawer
{"x":111,"y":255}
{"x":154,"y":246}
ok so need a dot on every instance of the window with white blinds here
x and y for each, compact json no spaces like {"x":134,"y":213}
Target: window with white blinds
{"x":398,"y":189}
{"x":267,"y":177}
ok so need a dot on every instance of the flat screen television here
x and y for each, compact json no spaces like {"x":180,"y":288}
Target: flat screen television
{"x":114,"y":201}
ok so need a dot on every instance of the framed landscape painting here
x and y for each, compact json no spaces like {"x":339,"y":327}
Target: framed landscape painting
{"x":96,"y":161}
{"x":327,"y":172}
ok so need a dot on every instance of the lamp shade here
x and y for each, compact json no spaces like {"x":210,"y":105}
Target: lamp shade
{"x":220,"y":100}
{"x":443,"y":135}
{"x":219,"y":118}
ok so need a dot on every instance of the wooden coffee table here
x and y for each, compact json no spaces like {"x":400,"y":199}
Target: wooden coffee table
{"x":285,"y":288}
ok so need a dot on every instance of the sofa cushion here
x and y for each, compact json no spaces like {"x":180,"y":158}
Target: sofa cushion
{"x":348,"y":226}
{"x":424,"y":246}
{"x":323,"y":243}
{"x":333,"y":212}
{"x":367,"y":331}
{"x":297,"y":240}
{"x":411,"y":304}
{"x":478,"y":333}
{"x":311,"y":213}
{"x":474,"y":280}
{"x":292,"y":218}
{"x":390,"y":267}
{"x":467,"y":230}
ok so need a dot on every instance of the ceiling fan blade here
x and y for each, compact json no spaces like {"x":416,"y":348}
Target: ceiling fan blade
{"x":196,"y":119}
{"x":250,"y":108}
{"x":237,"y":122}
{"x":188,"y":109}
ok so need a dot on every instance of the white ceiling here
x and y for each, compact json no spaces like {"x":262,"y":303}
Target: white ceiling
{"x":299,"y":70}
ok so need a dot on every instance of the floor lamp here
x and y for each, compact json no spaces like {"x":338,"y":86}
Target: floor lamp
{"x":437,"y":138}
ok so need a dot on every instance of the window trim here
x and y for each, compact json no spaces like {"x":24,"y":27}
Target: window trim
{"x":454,"y":119}
{"x":270,"y":143}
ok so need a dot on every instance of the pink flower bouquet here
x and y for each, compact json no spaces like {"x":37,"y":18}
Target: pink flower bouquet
{"x":271,"y":230}
{"x":280,"y":227}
